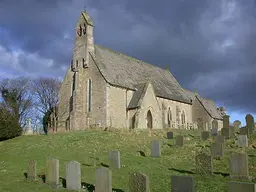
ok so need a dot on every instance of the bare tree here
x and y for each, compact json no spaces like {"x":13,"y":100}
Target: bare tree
{"x":17,"y":97}
{"x":46,"y":92}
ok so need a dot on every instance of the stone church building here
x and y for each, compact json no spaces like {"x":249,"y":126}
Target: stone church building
{"x":104,"y":88}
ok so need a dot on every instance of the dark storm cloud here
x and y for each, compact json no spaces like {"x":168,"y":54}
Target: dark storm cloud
{"x":207,"y":45}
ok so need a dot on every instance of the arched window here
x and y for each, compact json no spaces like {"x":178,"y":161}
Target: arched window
{"x":183,"y":118}
{"x":73,"y":84}
{"x":169,"y":117}
{"x":89,"y":95}
{"x":84,"y":29}
{"x":76,"y":63}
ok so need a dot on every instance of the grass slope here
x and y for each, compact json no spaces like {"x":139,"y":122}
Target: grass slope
{"x":85,"y":146}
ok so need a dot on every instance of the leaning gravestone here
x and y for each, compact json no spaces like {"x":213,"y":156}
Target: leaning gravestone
{"x":242,"y":140}
{"x":204,"y":164}
{"x":214,"y":131}
{"x":156,"y":148}
{"x":225,"y":132}
{"x":219,"y":139}
{"x":238,"y":166}
{"x":234,"y":186}
{"x":52,"y":172}
{"x":182,"y":184}
{"x":114,"y":157}
{"x":169,"y":135}
{"x":73,"y":176}
{"x":250,"y":123}
{"x":138,"y":182}
{"x":243,"y":131}
{"x":217,"y":150}
{"x":179,"y":140}
{"x":205,"y":135}
{"x":31,"y":174}
{"x":103,"y":180}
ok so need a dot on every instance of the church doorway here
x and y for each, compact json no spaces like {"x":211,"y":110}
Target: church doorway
{"x":149,"y":120}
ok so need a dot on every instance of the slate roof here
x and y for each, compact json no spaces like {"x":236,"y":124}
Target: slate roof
{"x":124,"y":71}
{"x":138,"y":96}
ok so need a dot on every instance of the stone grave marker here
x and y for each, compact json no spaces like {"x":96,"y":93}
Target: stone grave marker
{"x":225,"y":132}
{"x":219,"y":138}
{"x":214,"y":131}
{"x":114,"y":157}
{"x":232,"y":131}
{"x":204,"y":164}
{"x":169,"y":135}
{"x":243,"y":131}
{"x":31,"y":174}
{"x":250,"y":123}
{"x":182,"y":184}
{"x":103,"y":180}
{"x":226,"y":121}
{"x":238,"y":166}
{"x":179,"y":140}
{"x":237,"y":125}
{"x":217,"y":150}
{"x":155,"y":148}
{"x":52,"y":172}
{"x":234,"y":186}
{"x":205,"y":135}
{"x":242,"y":140}
{"x":73,"y":176}
{"x":138,"y":182}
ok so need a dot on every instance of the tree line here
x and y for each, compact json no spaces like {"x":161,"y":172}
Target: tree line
{"x":22,"y":98}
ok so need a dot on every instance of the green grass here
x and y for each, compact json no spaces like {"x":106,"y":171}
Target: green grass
{"x":83,"y":145}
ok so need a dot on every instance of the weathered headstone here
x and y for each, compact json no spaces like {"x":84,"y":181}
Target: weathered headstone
{"x":250,"y":123}
{"x":182,"y":184}
{"x":234,"y":186}
{"x":225,"y":132}
{"x":226,"y":121}
{"x":238,"y":166}
{"x":242,"y":140}
{"x":204,"y":164}
{"x":243,"y":131}
{"x":232,"y":132}
{"x":156,"y":148}
{"x":179,"y":140}
{"x":217,"y":150}
{"x":31,"y":174}
{"x":205,"y":135}
{"x":138,"y":182}
{"x":103,"y":180}
{"x":237,"y":124}
{"x":214,"y":131}
{"x":219,"y":138}
{"x":114,"y":157}
{"x":169,"y":135}
{"x":52,"y":172}
{"x":73,"y":176}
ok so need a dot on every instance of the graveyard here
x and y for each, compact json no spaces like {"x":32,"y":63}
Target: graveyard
{"x":146,"y":159}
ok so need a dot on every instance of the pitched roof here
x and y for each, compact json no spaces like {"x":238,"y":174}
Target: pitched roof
{"x":124,"y":71}
{"x":138,"y":96}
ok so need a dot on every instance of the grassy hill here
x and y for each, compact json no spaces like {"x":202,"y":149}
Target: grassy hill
{"x":91,"y":148}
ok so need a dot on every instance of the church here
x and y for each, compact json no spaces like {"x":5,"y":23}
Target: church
{"x":105,"y":88}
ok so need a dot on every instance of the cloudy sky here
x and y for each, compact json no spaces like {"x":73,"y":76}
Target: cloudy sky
{"x":208,"y":45}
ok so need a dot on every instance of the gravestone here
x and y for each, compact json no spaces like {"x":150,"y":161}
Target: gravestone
{"x":214,"y":131}
{"x":242,"y":140}
{"x":156,"y":148}
{"x":234,"y":186}
{"x":182,"y":184}
{"x":204,"y":164}
{"x":31,"y":174}
{"x":103,"y":180}
{"x":238,"y":166}
{"x":243,"y":131}
{"x":138,"y":182}
{"x":114,"y":157}
{"x":169,"y":135}
{"x":231,"y":131}
{"x":219,"y":139}
{"x":237,"y":124}
{"x":29,"y":130}
{"x":217,"y":150}
{"x":250,"y":123}
{"x":52,"y":172}
{"x":205,"y":135}
{"x":226,"y":121}
{"x":225,"y":132}
{"x":179,"y":140}
{"x":73,"y":176}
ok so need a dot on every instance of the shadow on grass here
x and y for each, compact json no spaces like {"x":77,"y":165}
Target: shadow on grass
{"x":142,"y":153}
{"x":88,"y":186}
{"x":25,"y":175}
{"x":42,"y":177}
{"x":222,"y":174}
{"x":87,"y":165}
{"x":251,"y":155}
{"x":182,"y":171}
{"x":104,"y":165}
{"x":169,"y":145}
